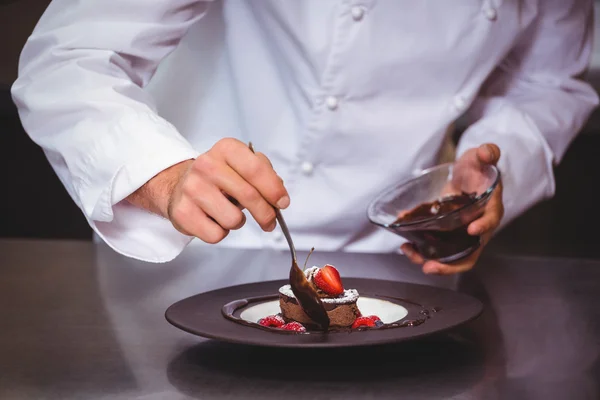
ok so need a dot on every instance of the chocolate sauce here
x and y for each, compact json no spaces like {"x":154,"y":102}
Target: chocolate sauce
{"x":308,"y":297}
{"x":229,"y":310}
{"x":417,"y":315}
{"x":439,"y":242}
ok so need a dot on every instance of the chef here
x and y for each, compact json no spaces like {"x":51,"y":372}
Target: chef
{"x":145,"y":109}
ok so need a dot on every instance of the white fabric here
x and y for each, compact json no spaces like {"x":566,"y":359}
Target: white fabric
{"x":345,"y":97}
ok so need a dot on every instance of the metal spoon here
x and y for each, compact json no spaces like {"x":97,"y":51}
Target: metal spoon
{"x":305,"y":293}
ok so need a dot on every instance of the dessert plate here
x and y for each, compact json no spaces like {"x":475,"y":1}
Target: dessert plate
{"x":204,"y":314}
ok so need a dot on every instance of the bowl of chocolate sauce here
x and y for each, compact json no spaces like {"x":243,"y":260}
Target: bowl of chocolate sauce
{"x":433,"y":209}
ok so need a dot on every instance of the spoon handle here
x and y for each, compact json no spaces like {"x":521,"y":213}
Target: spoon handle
{"x":286,"y":233}
{"x":306,"y":295}
{"x":281,"y":222}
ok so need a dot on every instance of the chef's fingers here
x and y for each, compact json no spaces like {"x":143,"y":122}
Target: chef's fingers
{"x":253,"y":170}
{"x":223,"y":177}
{"x":412,"y":254}
{"x":189,"y":219}
{"x":266,"y":160}
{"x":492,"y":215}
{"x":210,"y":199}
{"x":488,"y":153}
{"x":432,"y":267}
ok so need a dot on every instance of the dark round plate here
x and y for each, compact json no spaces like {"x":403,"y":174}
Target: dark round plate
{"x":201,"y":315}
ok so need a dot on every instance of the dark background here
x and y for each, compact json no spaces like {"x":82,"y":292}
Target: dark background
{"x":34,"y":204}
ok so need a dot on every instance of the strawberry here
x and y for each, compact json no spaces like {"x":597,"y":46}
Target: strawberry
{"x":294,"y":326}
{"x":376,"y":319}
{"x":328,"y":280}
{"x":274,"y":321}
{"x":363,"y":321}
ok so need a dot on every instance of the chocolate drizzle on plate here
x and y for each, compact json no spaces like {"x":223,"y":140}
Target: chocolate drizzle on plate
{"x":417,"y":315}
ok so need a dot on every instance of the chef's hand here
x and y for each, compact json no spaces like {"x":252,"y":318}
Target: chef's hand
{"x":193,"y":194}
{"x":484,"y":225}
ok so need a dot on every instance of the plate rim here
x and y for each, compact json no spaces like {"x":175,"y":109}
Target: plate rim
{"x":236,"y":292}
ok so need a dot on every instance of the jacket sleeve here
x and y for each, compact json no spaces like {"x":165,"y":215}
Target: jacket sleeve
{"x":536,"y":102}
{"x":80,"y":97}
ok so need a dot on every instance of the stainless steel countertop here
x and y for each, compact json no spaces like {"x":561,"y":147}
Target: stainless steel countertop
{"x":81,"y":322}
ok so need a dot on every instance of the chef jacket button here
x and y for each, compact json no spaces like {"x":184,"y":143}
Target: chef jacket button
{"x":332,"y":102}
{"x":357,"y":13}
{"x":307,"y":168}
{"x":490,"y":13}
{"x":460,"y":103}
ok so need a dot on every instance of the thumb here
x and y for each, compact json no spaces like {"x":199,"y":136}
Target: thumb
{"x":488,"y":153}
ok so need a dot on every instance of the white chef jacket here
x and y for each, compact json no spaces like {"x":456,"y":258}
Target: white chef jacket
{"x":345,"y":97}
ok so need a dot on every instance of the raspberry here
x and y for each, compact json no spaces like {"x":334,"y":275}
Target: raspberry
{"x":274,"y":321}
{"x":294,"y":326}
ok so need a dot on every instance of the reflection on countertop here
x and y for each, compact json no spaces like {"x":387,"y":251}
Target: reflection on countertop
{"x":80,"y":321}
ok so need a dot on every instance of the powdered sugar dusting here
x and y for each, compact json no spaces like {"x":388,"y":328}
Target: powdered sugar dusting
{"x":310,"y":272}
{"x":349,"y":295}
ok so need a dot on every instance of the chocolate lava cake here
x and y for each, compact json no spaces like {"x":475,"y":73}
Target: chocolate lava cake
{"x":339,"y":303}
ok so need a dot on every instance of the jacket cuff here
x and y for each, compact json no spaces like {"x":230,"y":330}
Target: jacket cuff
{"x":135,"y":150}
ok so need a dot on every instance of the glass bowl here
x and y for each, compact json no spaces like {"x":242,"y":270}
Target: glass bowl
{"x":437,"y":231}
